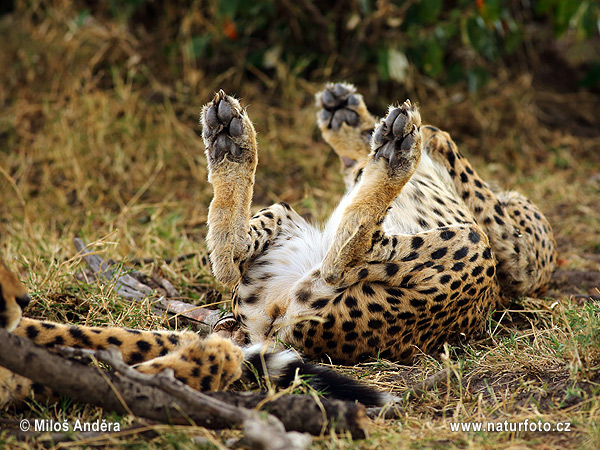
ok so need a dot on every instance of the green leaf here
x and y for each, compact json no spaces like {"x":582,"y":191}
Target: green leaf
{"x":429,"y":11}
{"x":196,"y":46}
{"x":433,"y":59}
{"x":481,"y":38}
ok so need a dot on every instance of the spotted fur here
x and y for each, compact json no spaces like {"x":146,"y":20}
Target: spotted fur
{"x":417,"y":253}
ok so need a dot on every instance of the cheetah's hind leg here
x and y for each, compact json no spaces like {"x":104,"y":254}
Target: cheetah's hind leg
{"x":231,"y":154}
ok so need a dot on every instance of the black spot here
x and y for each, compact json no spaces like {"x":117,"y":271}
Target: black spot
{"x":431,"y":290}
{"x":303,"y":296}
{"x":417,"y":242}
{"x":251,"y":299}
{"x":391,"y":269}
{"x":374,"y":307}
{"x":461,"y":253}
{"x":114,"y":341}
{"x":490,"y":271}
{"x":58,"y":340}
{"x":451,"y":156}
{"x":375,"y":324}
{"x":367,"y":290}
{"x":417,"y":302}
{"x":173,"y":339}
{"x":444,"y":279}
{"x":80,"y":336}
{"x":135,"y":358}
{"x":440,"y":297}
{"x":435,"y":308}
{"x":350,"y":301}
{"x":439,"y":253}
{"x":321,"y":303}
{"x":352,"y":336}
{"x":474,"y":237}
{"x":477,"y":270}
{"x":464,"y":178}
{"x":480,"y":196}
{"x":48,"y":326}
{"x":373,"y":342}
{"x":363,"y":273}
{"x":410,"y":257}
{"x":447,"y":234}
{"x":499,"y":221}
{"x":392,"y":300}
{"x":487,"y":253}
{"x":32,"y":332}
{"x":355,"y":313}
{"x":458,"y":267}
{"x":329,"y":322}
{"x":348,"y":349}
{"x":348,"y":325}
{"x":144,"y":346}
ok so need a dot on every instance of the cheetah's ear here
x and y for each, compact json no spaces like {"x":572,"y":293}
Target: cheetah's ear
{"x":282,"y":368}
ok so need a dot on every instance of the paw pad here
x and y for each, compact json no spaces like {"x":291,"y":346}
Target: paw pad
{"x":337,"y":102}
{"x":222,"y":121}
{"x":396,"y":136}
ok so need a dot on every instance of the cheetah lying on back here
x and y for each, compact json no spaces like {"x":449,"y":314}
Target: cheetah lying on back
{"x":417,"y":252}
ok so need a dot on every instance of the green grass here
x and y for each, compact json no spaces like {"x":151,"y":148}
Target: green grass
{"x":98,"y":145}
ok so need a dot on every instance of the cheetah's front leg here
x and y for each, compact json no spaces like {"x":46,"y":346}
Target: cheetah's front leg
{"x":395,"y":154}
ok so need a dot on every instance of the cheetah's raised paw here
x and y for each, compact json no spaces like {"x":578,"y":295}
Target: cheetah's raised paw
{"x":227,"y":131}
{"x":398,"y":137}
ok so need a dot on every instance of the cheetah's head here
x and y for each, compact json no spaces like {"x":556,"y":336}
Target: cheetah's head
{"x":13,"y":298}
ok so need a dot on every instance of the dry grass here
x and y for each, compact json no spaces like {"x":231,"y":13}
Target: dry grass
{"x":94,"y":142}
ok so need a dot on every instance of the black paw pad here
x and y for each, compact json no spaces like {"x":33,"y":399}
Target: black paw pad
{"x":337,"y":103}
{"x":222,"y":121}
{"x":395,"y":136}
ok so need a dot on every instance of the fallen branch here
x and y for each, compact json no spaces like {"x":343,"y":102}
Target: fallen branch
{"x":134,"y":285}
{"x":165,"y":399}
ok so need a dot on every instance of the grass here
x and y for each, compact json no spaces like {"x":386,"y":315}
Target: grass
{"x":97,"y":142}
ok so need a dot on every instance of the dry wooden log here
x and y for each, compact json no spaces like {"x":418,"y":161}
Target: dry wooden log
{"x":165,"y":399}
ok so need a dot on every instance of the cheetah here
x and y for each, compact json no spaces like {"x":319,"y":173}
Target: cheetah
{"x":418,"y":251}
{"x":205,"y":364}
